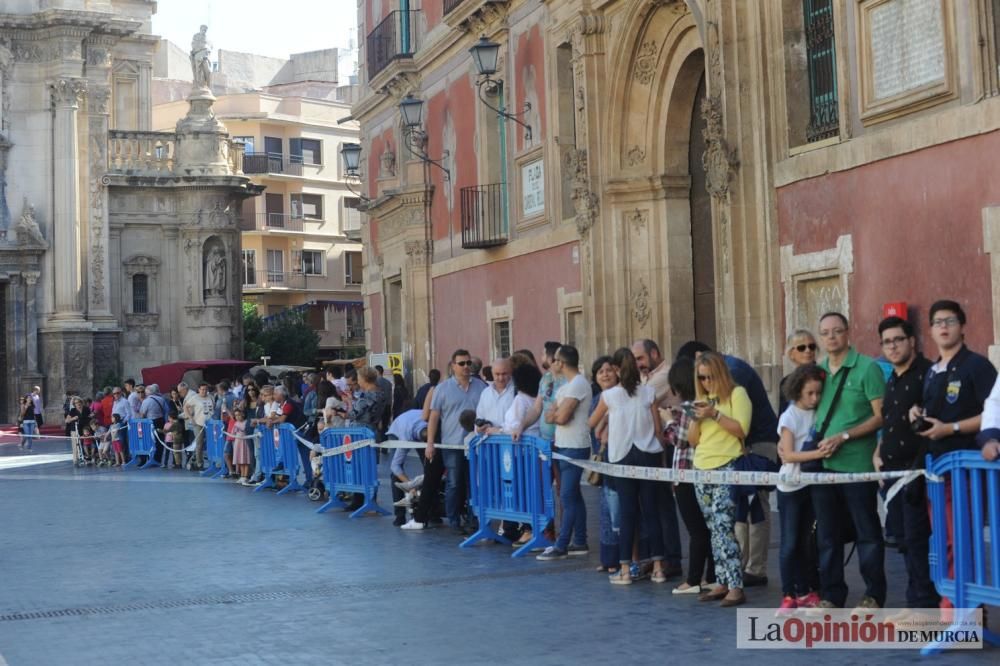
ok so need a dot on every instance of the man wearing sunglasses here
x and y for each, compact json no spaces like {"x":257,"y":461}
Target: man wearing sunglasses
{"x":459,"y":393}
{"x":906,"y":517}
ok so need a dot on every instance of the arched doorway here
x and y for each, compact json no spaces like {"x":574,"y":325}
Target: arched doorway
{"x":702,"y":241}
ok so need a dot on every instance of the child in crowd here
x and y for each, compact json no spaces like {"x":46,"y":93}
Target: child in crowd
{"x":90,"y":453}
{"x":237,"y":430}
{"x":117,"y":437}
{"x":799,"y":573}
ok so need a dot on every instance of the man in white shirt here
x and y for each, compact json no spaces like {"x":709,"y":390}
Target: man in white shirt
{"x":496,"y":397}
{"x":199,"y":407}
{"x":569,"y":414}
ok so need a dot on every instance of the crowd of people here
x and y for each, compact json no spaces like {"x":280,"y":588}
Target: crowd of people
{"x":708,"y":410}
{"x":704,"y":410}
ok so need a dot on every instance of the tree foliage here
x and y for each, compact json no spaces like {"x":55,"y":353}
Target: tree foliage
{"x":287,"y":338}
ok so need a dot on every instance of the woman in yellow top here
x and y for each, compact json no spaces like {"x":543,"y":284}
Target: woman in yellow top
{"x":722,"y":414}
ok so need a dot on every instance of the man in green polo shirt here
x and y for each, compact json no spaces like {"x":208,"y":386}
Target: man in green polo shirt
{"x":850,"y":437}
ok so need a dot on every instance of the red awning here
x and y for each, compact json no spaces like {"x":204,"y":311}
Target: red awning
{"x":170,"y":374}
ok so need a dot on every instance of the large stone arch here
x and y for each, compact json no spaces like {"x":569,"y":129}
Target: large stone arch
{"x":643,"y":249}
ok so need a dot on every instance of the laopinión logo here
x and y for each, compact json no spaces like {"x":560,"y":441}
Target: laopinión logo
{"x":838,"y":629}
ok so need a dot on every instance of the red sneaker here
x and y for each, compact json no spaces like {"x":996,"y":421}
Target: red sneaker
{"x":810,"y":600}
{"x":788,"y":604}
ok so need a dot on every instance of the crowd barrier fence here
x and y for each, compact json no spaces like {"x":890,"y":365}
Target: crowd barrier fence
{"x":141,"y":442}
{"x":351,"y":472}
{"x":215,"y":449}
{"x":511,"y":481}
{"x":973,"y":485}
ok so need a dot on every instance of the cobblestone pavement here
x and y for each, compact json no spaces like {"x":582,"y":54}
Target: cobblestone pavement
{"x":164,"y":567}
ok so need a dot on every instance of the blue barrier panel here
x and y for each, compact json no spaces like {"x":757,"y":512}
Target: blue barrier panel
{"x":975,"y":485}
{"x":268,"y":457}
{"x":353,"y":472}
{"x":511,"y":481}
{"x":215,"y":448}
{"x":141,"y":442}
{"x":29,"y":429}
{"x":288,"y":450}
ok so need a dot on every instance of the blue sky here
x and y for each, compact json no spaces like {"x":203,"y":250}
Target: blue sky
{"x":278,"y":29}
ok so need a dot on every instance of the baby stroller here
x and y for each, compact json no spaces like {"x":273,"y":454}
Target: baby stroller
{"x":85,"y":446}
{"x":316,"y":489}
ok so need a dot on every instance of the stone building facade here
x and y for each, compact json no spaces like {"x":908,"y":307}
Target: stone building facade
{"x":121,"y":245}
{"x":701,"y":168}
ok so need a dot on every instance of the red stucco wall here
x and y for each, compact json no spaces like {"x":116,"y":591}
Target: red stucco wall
{"x":374,"y":313}
{"x":916,"y":222}
{"x":532,"y":279}
{"x":530,"y":52}
{"x":458,"y":103}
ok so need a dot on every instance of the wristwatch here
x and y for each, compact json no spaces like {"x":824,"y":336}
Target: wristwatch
{"x":955,"y":428}
{"x":845,"y":436}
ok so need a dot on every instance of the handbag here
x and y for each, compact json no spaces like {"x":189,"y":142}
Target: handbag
{"x":816,"y":436}
{"x":596,"y":478}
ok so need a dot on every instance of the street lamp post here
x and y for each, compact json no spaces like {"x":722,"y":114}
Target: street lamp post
{"x":486,"y":54}
{"x":411,"y":110}
{"x":350,"y":153}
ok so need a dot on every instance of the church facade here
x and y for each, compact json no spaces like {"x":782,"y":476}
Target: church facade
{"x":119,"y":246}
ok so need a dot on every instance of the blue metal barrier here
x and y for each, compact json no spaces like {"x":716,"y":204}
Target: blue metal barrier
{"x":288,"y":451}
{"x":268,"y":457}
{"x":141,"y":442}
{"x":353,"y":472}
{"x":215,"y":448}
{"x":975,"y":503}
{"x":29,"y":429}
{"x":511,"y":481}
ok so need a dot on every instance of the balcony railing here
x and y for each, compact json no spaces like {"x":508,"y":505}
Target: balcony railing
{"x":141,"y":153}
{"x":354,"y":332}
{"x":449,"y":5}
{"x":265,"y":279}
{"x":272,"y":163}
{"x":272,"y":222}
{"x":483,"y":216}
{"x":391,"y":39}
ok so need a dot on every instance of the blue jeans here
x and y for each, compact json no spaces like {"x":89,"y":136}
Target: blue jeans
{"x":574,"y":510}
{"x":306,"y":465}
{"x":861,"y":503}
{"x":454,"y":493}
{"x":795,"y":558}
{"x":633,"y":494}
{"x":610,"y":513}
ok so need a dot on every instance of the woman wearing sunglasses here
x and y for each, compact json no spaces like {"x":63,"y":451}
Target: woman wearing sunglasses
{"x":801,"y":350}
{"x":722,"y":415}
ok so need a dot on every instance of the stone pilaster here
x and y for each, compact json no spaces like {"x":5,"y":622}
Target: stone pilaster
{"x":66,"y":97}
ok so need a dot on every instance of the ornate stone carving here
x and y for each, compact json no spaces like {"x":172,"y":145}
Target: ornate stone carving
{"x":645,"y":63}
{"x":719,"y":159}
{"x":214,"y":263}
{"x":141,"y":263}
{"x":585,"y":202}
{"x":714,"y":52}
{"x":144,"y":320}
{"x":201,"y":60}
{"x":98,"y":56}
{"x":637,"y":219}
{"x":30,"y":52}
{"x":98,"y":160}
{"x":68,"y":92}
{"x":31,"y":277}
{"x":417,"y":252}
{"x":27,"y":230}
{"x":640,"y":303}
{"x":98,"y":100}
{"x":387,"y":163}
{"x":636,"y":156}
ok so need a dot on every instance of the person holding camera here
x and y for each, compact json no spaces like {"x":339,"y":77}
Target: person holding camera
{"x":849,"y":414}
{"x":26,"y":421}
{"x":955,"y":390}
{"x":900,"y":449}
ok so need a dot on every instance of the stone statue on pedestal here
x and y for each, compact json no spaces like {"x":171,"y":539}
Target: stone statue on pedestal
{"x":27,"y":229}
{"x":201,"y":63}
{"x":215,"y":274}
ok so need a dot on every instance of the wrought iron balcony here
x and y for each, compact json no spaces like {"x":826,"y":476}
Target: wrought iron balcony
{"x":272,"y":163}
{"x":450,"y":5}
{"x":484,"y":222}
{"x":393,"y":38}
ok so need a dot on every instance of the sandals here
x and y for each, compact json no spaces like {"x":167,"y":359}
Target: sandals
{"x":620,"y":578}
{"x":658,"y":577}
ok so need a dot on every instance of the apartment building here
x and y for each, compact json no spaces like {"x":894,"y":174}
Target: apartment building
{"x":301,"y":246}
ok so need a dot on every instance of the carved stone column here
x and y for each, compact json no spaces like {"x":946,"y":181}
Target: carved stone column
{"x":31,"y":325}
{"x":98,"y":294}
{"x":66,"y":97}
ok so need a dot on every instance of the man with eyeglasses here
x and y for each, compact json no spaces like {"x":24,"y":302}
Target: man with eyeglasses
{"x":900,"y":447}
{"x":850,"y":438}
{"x":459,"y":393}
{"x":955,"y":390}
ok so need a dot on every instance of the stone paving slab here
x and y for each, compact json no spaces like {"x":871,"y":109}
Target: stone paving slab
{"x":165,"y":567}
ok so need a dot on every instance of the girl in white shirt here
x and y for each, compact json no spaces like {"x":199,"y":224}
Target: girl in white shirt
{"x":634,"y":438}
